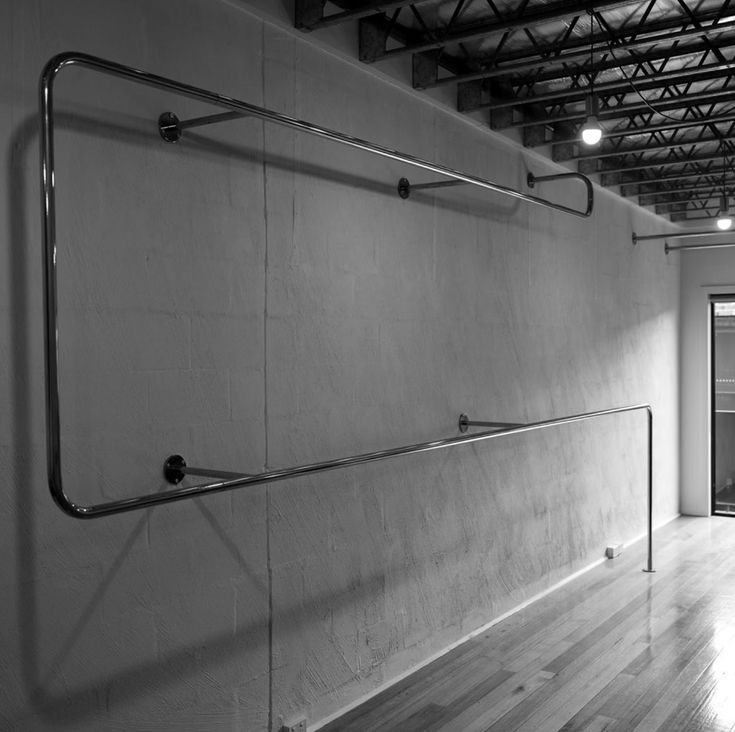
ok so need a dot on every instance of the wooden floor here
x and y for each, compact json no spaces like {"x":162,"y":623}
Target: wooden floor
{"x":617,"y":649}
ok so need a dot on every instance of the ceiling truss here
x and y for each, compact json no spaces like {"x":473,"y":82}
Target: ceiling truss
{"x":662,"y":73}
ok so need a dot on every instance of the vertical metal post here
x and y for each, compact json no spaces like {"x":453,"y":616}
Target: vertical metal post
{"x":649,"y":566}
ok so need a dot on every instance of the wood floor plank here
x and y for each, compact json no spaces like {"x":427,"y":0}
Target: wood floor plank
{"x":585,"y":717}
{"x":672,"y":638}
{"x":486,"y":712}
{"x":598,"y":723}
{"x":615,"y":650}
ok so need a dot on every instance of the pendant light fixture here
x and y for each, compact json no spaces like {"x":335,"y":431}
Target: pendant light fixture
{"x":724,"y":218}
{"x":591,"y":132}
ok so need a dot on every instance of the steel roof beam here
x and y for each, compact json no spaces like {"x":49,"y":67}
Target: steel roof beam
{"x":691,"y":182}
{"x":643,"y":130}
{"x":485,"y":28}
{"x":626,"y":178}
{"x":561,"y":153}
{"x":592,"y":166}
{"x":613,"y":88}
{"x":686,"y":217}
{"x":573,"y":71}
{"x":654,"y":199}
{"x":649,"y":34}
{"x":664,"y":209}
{"x":309,"y":14}
{"x":685,"y":101}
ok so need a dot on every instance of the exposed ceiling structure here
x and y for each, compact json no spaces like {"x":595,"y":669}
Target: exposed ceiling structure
{"x":659,"y":74}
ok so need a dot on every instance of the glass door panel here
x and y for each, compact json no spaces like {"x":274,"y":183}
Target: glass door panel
{"x":723,"y":406}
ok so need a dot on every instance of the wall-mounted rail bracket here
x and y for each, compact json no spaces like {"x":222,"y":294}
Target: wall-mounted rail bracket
{"x":171,"y":128}
{"x":175,"y":470}
{"x":465,"y":423}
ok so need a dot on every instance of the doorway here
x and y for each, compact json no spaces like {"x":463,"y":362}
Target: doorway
{"x":722,"y":448}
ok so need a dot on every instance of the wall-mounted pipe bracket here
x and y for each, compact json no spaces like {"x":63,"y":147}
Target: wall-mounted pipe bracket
{"x":169,"y":127}
{"x":173,"y":469}
{"x":465,"y":423}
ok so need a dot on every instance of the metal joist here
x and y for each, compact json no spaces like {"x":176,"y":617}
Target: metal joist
{"x":576,"y":151}
{"x":622,"y":111}
{"x":670,"y":33}
{"x":636,"y":129}
{"x":438,"y":38}
{"x":309,"y":14}
{"x":630,"y":179}
{"x":690,"y":182}
{"x":608,"y":89}
{"x":645,"y":163}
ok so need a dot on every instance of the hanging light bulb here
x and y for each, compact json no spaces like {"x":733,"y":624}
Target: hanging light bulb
{"x":724,"y":219}
{"x":591,"y":131}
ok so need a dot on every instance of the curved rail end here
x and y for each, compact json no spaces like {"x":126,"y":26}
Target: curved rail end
{"x":62,"y":501}
{"x":532,"y":179}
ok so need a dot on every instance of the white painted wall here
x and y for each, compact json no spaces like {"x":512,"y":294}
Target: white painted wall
{"x":254,"y":298}
{"x":703,"y":273}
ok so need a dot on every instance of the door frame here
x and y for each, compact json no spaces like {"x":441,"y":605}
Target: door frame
{"x":712,"y":299}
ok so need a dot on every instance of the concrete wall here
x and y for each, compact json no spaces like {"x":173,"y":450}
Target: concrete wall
{"x":254,"y":298}
{"x":703,"y":273}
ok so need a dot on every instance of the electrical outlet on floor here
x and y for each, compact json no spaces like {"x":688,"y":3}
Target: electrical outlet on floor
{"x":296,"y":726}
{"x":613,"y":550}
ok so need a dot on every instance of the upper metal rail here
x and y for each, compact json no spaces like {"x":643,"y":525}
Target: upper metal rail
{"x":718,"y":245}
{"x":686,"y":235}
{"x":171,"y":128}
{"x":405,"y":187}
{"x":677,"y":235}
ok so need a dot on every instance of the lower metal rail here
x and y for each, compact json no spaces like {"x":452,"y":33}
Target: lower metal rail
{"x":175,"y":469}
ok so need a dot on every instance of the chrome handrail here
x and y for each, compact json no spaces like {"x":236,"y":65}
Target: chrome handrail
{"x":686,"y":235}
{"x":465,"y":422}
{"x":51,"y":353}
{"x":175,"y":468}
{"x":717,"y":245}
{"x":171,"y":128}
{"x":405,"y":187}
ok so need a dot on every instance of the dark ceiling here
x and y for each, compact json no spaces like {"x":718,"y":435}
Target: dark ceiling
{"x":661,"y":72}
